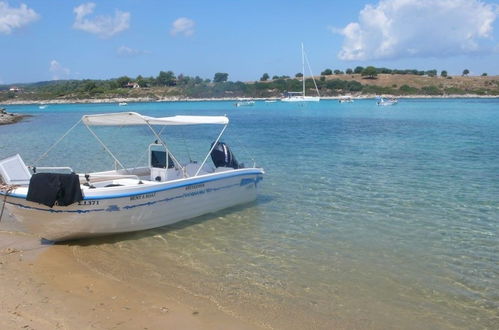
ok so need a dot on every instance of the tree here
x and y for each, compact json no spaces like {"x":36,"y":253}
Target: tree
{"x":484,"y":74}
{"x":122,"y":81}
{"x":183,"y":80}
{"x":198,"y":80}
{"x":299,"y":75}
{"x":265,"y":77}
{"x":220,"y":77}
{"x":443,"y":73}
{"x":327,"y":72}
{"x":370,"y":72}
{"x":89,"y":85}
{"x":358,"y":69}
{"x":431,"y":73}
{"x":140,"y":81}
{"x":338,"y":71}
{"x":466,"y":72}
{"x":166,"y":78}
{"x":349,"y":71}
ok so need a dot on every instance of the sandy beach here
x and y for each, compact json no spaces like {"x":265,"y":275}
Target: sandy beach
{"x":45,"y":287}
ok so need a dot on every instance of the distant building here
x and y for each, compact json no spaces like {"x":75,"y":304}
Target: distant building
{"x":15,"y":89}
{"x":132,"y":85}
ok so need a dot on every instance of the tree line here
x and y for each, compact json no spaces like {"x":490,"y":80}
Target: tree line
{"x":168,"y":84}
{"x":372,"y":72}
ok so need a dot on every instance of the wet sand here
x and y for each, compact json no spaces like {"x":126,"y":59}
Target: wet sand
{"x":45,"y":287}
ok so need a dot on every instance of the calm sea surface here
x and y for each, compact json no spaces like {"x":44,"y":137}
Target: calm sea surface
{"x":368,"y":217}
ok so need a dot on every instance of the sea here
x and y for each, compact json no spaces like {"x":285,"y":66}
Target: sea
{"x":368,"y":217}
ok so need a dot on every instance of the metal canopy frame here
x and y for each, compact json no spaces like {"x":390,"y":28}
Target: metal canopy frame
{"x":157,"y":135}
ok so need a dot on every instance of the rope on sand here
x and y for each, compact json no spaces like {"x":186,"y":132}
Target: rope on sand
{"x":6,"y":189}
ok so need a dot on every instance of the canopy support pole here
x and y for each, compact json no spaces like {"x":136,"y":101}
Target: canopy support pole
{"x":168,"y":154}
{"x":105,"y":147}
{"x":211,"y":149}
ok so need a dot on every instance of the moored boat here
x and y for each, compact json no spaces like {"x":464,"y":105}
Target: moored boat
{"x":63,"y":206}
{"x":300,"y":96}
{"x":386,"y":102}
{"x":244,"y":103}
{"x":345,"y":99}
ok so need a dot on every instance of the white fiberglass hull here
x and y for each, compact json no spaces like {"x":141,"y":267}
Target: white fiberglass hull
{"x":138,"y":207}
{"x":301,"y":99}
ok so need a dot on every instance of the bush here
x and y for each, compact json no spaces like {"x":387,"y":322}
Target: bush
{"x":408,"y":90}
{"x":431,"y":90}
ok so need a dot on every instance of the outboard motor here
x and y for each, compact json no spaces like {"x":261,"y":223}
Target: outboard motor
{"x":222,"y":156}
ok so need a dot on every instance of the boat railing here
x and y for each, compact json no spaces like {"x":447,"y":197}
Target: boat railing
{"x":88,"y":177}
{"x":51,"y":168}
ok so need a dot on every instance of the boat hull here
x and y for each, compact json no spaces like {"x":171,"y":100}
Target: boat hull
{"x":140,"y":209}
{"x":301,"y":99}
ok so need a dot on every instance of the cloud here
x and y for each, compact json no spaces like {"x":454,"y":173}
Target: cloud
{"x":183,"y":26}
{"x":103,"y":26}
{"x":409,"y":28}
{"x":125,"y":51}
{"x":58,"y":71}
{"x":14,"y":18}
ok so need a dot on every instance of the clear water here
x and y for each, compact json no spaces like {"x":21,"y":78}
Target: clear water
{"x":368,"y":217}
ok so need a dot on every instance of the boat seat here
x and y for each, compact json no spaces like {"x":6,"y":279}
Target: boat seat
{"x":164,"y":174}
{"x":14,"y":171}
{"x":192,"y":168}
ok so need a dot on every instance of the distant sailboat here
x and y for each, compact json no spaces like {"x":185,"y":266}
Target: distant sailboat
{"x":300,"y":96}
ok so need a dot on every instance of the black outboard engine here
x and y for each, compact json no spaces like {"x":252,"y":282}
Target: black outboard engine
{"x":222,"y":156}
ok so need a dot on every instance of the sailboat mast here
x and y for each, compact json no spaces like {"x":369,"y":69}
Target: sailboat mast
{"x":303,"y":67}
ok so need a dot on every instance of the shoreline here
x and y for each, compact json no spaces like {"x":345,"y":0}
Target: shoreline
{"x":47,"y":287}
{"x":7,"y":118}
{"x":185,"y":99}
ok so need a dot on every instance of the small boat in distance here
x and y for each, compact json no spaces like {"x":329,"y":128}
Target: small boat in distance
{"x":62,"y":206}
{"x":300,"y":96}
{"x":42,"y":106}
{"x":386,"y":102}
{"x":345,"y":99}
{"x":121,"y":104}
{"x":244,"y":103}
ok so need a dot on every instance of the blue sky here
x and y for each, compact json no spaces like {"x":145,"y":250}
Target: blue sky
{"x":65,"y":39}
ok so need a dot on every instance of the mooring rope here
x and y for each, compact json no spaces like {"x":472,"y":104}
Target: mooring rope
{"x":7,"y":189}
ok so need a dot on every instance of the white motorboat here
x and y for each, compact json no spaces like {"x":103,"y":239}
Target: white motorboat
{"x":244,"y":103}
{"x":126,"y":199}
{"x":122,"y":104}
{"x":300,"y":96}
{"x":386,"y":102}
{"x":42,"y":106}
{"x":345,"y":99}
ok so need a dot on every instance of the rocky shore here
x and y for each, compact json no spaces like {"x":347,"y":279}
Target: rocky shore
{"x":10,"y":118}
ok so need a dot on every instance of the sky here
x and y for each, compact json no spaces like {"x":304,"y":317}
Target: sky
{"x":44,"y":40}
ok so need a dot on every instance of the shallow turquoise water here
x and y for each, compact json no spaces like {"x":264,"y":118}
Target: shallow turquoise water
{"x":368,"y":217}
